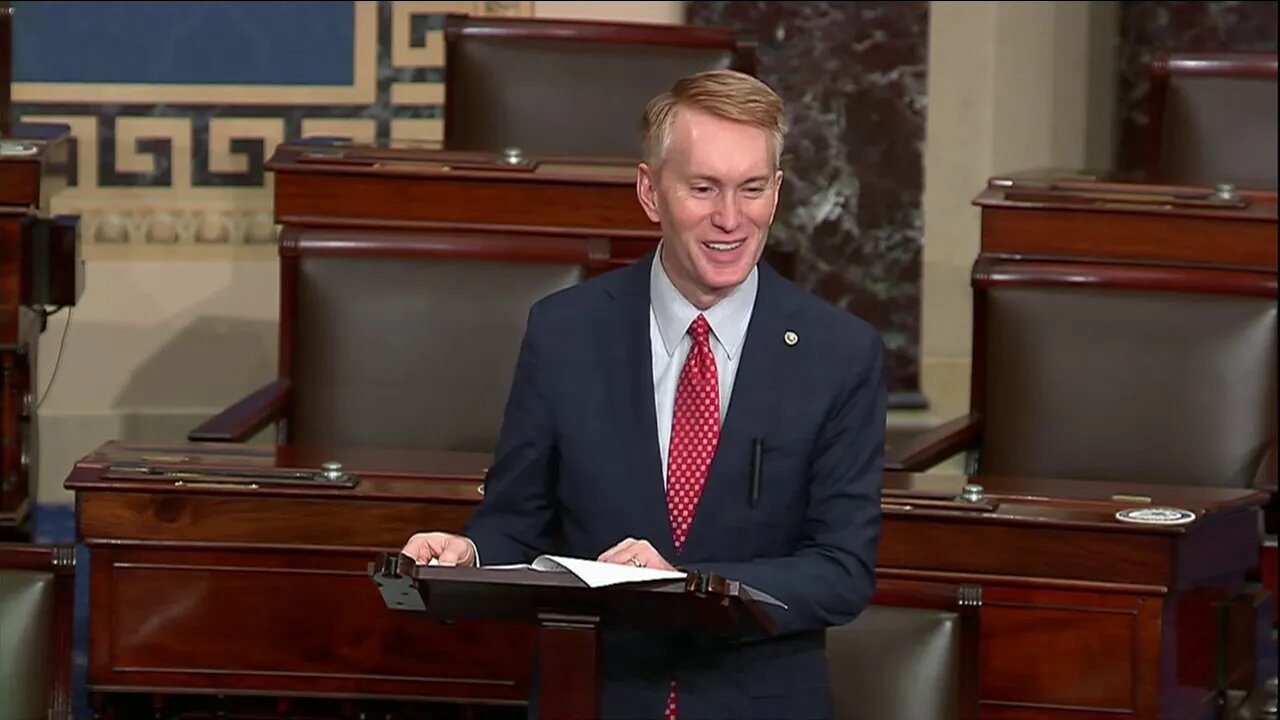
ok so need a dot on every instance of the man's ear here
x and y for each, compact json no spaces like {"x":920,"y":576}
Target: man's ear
{"x":647,"y":191}
{"x":777,"y":193}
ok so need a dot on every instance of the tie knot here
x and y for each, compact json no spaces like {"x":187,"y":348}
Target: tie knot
{"x":700,"y":329}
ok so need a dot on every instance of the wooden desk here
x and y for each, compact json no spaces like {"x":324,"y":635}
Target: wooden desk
{"x":33,"y":167}
{"x":406,"y":200}
{"x":1117,"y":218}
{"x":202,"y":586}
{"x":466,"y":204}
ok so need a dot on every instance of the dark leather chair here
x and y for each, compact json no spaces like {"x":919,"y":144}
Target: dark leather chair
{"x":913,"y":653}
{"x":1122,"y":332}
{"x":1213,"y":119}
{"x":366,"y":334}
{"x":394,"y":348}
{"x":1121,"y":372}
{"x":560,"y":87}
{"x":37,"y":586}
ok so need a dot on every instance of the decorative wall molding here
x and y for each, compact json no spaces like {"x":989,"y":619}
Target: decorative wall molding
{"x":168,"y":152}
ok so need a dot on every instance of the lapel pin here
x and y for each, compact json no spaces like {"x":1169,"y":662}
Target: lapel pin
{"x":790,"y":338}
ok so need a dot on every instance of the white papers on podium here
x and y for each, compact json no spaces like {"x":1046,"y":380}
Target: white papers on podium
{"x":597,"y":574}
{"x":594,"y":573}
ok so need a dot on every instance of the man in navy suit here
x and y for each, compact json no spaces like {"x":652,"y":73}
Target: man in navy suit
{"x":644,"y":399}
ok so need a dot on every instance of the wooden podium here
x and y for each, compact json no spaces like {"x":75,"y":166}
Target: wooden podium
{"x":222,"y":573}
{"x":567,"y":615}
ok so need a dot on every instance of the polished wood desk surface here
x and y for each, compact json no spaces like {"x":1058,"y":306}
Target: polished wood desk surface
{"x":1119,"y":192}
{"x":1082,"y":215}
{"x":406,"y":159}
{"x":431,"y":475}
{"x":333,"y":183}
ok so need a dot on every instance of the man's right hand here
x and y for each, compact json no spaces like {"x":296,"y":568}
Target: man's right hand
{"x":445,"y":548}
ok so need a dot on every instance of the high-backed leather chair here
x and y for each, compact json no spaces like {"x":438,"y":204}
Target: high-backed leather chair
{"x":37,"y":584}
{"x":1152,"y":384}
{"x":1119,"y":335}
{"x":1213,"y":119}
{"x":1117,"y":372}
{"x":368,"y":333}
{"x":395,"y":345}
{"x":565,"y":87}
{"x":913,"y":653}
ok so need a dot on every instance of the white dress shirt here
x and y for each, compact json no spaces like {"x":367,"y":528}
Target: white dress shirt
{"x":669,"y":317}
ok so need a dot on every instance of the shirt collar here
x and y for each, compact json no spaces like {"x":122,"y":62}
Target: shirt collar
{"x":728,"y":318}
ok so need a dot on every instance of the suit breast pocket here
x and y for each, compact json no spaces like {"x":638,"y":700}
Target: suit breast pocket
{"x":781,"y":481}
{"x":777,"y":499}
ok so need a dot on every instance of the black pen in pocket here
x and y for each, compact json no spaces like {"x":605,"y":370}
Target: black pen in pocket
{"x":757,"y":450}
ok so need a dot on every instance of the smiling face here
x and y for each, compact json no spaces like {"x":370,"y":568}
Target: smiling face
{"x":714,"y":193}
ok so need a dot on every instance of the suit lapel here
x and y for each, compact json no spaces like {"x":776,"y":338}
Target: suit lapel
{"x":757,"y":389}
{"x":631,"y":391}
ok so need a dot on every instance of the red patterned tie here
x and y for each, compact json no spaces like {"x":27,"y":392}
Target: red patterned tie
{"x":695,"y":431}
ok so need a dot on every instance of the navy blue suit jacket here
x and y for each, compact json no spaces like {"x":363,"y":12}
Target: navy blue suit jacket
{"x":577,"y":469}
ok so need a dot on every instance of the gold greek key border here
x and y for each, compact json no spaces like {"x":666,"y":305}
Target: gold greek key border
{"x":182,"y":222}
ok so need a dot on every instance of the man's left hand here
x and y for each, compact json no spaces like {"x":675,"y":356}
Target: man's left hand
{"x":635,"y":552}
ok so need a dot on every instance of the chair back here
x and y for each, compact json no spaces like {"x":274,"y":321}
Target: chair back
{"x":409,"y":351}
{"x":1213,"y":119}
{"x":913,"y":653}
{"x":36,"y":586}
{"x":556,"y":87}
{"x":1125,"y":372}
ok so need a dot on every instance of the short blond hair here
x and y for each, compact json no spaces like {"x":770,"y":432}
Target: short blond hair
{"x":727,"y":94}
